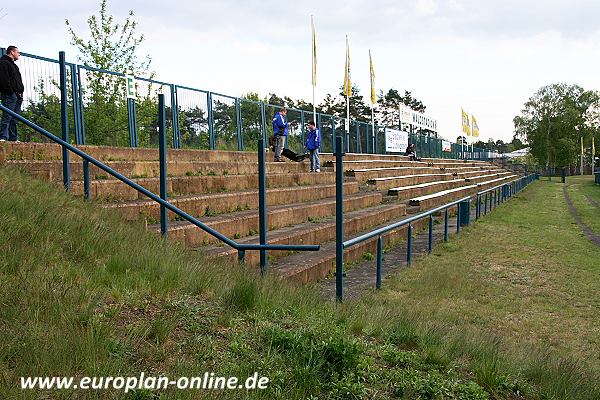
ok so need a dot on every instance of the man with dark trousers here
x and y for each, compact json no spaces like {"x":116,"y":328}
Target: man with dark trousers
{"x":280,"y":131}
{"x":11,"y":92}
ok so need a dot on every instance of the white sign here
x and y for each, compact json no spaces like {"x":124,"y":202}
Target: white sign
{"x":414,"y":118}
{"x":446,"y":146}
{"x":396,"y":141}
{"x":130,"y":86}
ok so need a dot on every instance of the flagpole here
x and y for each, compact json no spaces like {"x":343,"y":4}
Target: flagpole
{"x":314,"y":83}
{"x":348,"y":89}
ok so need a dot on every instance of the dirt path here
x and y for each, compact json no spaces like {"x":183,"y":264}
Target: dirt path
{"x":593,"y":237}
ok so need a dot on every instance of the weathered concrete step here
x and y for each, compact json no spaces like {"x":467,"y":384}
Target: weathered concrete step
{"x":219,"y":203}
{"x":246,"y":223}
{"x":407,"y":180}
{"x":52,"y":151}
{"x":113,"y":189}
{"x":314,"y":266}
{"x":392,"y":157}
{"x":437,"y":198}
{"x":362,"y":175}
{"x":409,"y":192}
{"x":483,"y":178}
{"x":375,"y":163}
{"x":313,"y":233}
{"x":52,"y":170}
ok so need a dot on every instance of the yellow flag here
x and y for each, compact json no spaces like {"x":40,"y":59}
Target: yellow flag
{"x":582,"y":145}
{"x":475,"y":127}
{"x":373,"y":97}
{"x":314,"y":52}
{"x":593,"y":149}
{"x":347,"y":80}
{"x":466,"y":127}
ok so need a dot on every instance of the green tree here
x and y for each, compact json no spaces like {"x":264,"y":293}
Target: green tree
{"x":553,"y":120}
{"x":388,"y":106}
{"x":112,"y":46}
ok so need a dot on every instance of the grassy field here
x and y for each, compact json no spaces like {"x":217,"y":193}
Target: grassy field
{"x":508,"y":309}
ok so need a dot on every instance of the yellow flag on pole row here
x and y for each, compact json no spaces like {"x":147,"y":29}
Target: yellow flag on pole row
{"x":582,"y":145}
{"x":373,"y":97}
{"x":466,"y":127}
{"x":314,"y":52}
{"x":347,"y":80}
{"x":593,"y":149}
{"x":475,"y":127}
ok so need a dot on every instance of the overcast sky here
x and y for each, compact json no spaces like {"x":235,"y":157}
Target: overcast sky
{"x":486,"y":56}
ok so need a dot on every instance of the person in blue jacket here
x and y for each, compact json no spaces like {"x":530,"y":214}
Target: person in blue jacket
{"x":312,"y":144}
{"x":280,"y":131}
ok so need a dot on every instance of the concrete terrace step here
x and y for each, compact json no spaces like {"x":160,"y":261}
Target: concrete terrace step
{"x":313,"y":233}
{"x":114,"y":189}
{"x":364,"y":174}
{"x":365,"y":164}
{"x":407,"y":192}
{"x":245,"y":223}
{"x":219,"y":203}
{"x":52,"y":170}
{"x":52,"y":151}
{"x":433,"y":199}
{"x":404,"y":180}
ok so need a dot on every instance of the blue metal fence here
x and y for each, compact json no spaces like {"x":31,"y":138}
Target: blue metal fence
{"x":195,"y":118}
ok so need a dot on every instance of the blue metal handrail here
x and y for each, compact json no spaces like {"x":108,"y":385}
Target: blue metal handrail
{"x":238,"y":246}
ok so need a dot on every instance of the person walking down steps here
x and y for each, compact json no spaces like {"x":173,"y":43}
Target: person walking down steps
{"x":313,"y":141}
{"x":280,"y":131}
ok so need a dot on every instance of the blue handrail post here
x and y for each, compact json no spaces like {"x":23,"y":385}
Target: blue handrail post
{"x":64,"y":120}
{"x":430,"y":244}
{"x":262,"y":205}
{"x":86,"y":179}
{"x":478,"y":207}
{"x":379,"y":261}
{"x":210,"y":121}
{"x":464,"y":209}
{"x":446,"y":225}
{"x":339,"y":219}
{"x":238,"y":123}
{"x":409,"y":245}
{"x":162,"y":153}
{"x":458,"y":219}
{"x":241,"y":256}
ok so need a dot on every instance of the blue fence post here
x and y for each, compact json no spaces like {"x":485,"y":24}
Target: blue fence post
{"x":238,"y":123}
{"x":263,"y":116}
{"x":375,"y":140}
{"x":210,"y":121}
{"x":80,"y":105}
{"x":175,"y":116}
{"x":446,"y":225}
{"x":162,"y":154}
{"x":464,"y":209}
{"x":74,"y":95}
{"x":64,"y":120}
{"x":379,"y":262}
{"x":303,"y":129}
{"x":86,"y":179}
{"x":430,"y":244}
{"x":339,"y":219}
{"x":409,"y":244}
{"x":132,"y":123}
{"x":262,"y":205}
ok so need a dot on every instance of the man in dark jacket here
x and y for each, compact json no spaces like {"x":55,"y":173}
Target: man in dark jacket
{"x":11,"y":92}
{"x":280,"y":131}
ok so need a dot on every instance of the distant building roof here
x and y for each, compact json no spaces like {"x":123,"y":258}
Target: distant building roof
{"x":518,"y":153}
